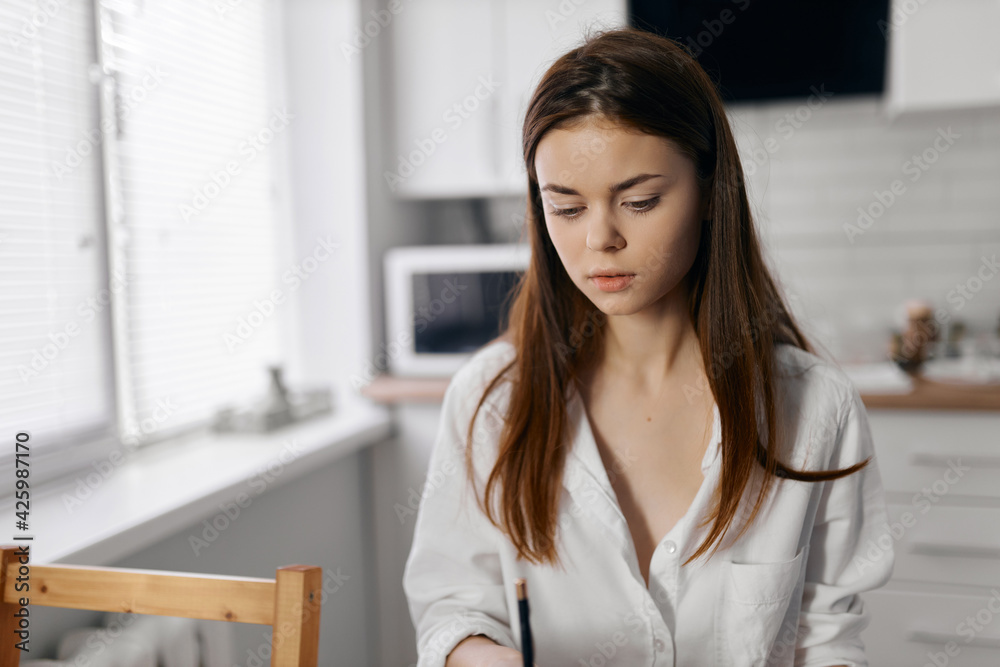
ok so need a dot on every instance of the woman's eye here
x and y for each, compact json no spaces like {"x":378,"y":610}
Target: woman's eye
{"x":567,"y":212}
{"x":643,"y":206}
{"x":634,"y":206}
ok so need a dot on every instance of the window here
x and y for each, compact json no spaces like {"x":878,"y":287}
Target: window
{"x":140,"y":231}
{"x":54,"y":352}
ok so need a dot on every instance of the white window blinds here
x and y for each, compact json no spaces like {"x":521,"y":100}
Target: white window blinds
{"x":54,"y":296}
{"x":196,"y":235}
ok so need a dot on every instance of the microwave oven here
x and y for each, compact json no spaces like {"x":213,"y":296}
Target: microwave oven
{"x":444,"y":302}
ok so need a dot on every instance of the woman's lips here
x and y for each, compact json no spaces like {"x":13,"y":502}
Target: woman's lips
{"x":612,"y":283}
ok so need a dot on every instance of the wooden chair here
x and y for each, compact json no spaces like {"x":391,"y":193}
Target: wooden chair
{"x":289,"y":603}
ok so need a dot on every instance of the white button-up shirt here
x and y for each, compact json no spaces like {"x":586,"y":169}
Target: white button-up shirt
{"x":787,"y":593}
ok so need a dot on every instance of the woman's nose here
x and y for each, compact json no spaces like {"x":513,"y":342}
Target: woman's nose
{"x":603,"y":232}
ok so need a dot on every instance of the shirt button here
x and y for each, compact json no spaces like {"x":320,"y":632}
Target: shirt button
{"x":659,"y":644}
{"x":670,"y":546}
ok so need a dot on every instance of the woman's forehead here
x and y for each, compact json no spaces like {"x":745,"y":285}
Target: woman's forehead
{"x":600,"y":155}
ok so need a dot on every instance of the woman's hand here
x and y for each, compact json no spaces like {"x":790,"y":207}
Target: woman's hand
{"x":481,"y":651}
{"x":511,"y":658}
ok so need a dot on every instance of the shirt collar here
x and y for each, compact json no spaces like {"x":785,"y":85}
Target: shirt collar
{"x":712,"y":452}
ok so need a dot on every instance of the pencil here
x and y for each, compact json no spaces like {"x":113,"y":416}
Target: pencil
{"x":527,"y":648}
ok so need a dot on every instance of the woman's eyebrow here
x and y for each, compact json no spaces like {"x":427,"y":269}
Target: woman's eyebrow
{"x":617,"y":187}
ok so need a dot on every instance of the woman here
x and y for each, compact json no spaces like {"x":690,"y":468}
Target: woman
{"x":626,"y":427}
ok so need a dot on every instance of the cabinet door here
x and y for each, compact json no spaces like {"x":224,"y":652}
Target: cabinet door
{"x":909,"y":629}
{"x":943,"y":54}
{"x":444,"y":98}
{"x":937,"y":454}
{"x":937,"y":543}
{"x":534,"y":35}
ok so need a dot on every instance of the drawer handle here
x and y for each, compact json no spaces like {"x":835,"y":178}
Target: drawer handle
{"x":944,"y":461}
{"x":956,"y":550}
{"x":925,"y":637}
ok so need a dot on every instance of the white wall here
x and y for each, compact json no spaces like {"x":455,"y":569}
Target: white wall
{"x":809,"y":181}
{"x":390,"y":223}
{"x":328,"y":161}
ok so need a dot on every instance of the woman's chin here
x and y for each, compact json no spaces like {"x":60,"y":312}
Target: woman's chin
{"x":615,"y":304}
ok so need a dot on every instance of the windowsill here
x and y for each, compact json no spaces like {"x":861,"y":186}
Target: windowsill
{"x":159,"y":492}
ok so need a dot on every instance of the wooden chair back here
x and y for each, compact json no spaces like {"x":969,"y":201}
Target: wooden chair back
{"x":289,"y":603}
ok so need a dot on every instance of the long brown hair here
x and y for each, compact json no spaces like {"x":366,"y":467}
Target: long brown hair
{"x":648,"y":83}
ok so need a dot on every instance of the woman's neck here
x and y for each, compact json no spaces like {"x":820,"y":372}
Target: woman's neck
{"x":651,"y":346}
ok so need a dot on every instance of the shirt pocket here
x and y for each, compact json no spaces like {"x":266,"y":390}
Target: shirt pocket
{"x":755,"y":599}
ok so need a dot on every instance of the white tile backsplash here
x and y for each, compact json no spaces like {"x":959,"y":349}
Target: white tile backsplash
{"x":806,"y":183}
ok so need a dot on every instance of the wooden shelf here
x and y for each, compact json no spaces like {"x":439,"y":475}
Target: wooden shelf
{"x":932,"y":395}
{"x":926,"y":394}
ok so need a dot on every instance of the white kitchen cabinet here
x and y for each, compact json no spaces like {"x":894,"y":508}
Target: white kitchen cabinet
{"x":550,"y":29}
{"x":442,"y":53}
{"x":462,"y":74}
{"x":941,"y":472}
{"x":943,"y":54}
{"x":916,"y":628}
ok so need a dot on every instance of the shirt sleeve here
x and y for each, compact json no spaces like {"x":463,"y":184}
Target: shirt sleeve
{"x":452,"y":579}
{"x":850,"y":550}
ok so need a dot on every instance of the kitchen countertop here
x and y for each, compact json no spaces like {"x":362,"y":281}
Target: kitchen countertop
{"x":933,"y":395}
{"x":925,"y":394}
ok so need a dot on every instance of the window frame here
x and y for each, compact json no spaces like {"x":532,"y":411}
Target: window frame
{"x":81,"y":452}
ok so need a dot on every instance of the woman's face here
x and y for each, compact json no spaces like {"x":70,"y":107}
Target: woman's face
{"x":619,"y":201}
